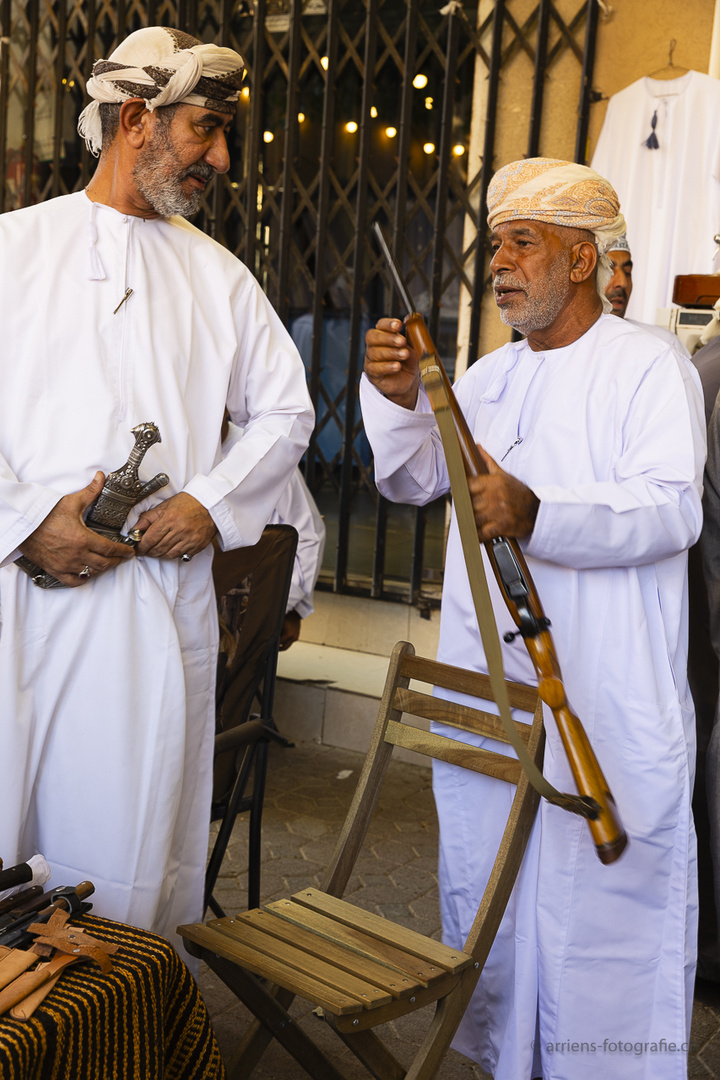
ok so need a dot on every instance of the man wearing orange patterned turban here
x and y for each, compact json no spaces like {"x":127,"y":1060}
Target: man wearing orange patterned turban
{"x":559,"y":193}
{"x":593,"y":434}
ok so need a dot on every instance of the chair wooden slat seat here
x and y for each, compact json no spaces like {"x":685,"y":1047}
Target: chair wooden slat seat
{"x":385,"y":931}
{"x":360,"y":968}
{"x":313,"y":961}
{"x":388,"y":969}
{"x":360,"y":944}
{"x":340,"y":993}
{"x":233,"y":948}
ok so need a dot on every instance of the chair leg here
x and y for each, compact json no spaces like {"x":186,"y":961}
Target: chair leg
{"x":267,"y":697}
{"x":441,"y":1032}
{"x":217,"y":911}
{"x":256,"y":1039}
{"x":376,"y":1057}
{"x":226,"y":828}
{"x":255,"y":837}
{"x":275,"y":1018}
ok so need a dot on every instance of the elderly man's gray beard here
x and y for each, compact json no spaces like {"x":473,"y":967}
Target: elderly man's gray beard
{"x":159,"y":175}
{"x":543,"y":300}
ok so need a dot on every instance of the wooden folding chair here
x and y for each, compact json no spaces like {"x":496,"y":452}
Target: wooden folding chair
{"x":364,"y":970}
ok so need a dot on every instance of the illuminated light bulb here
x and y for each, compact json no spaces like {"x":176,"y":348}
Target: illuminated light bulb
{"x":324,"y":62}
{"x":351,"y":126}
{"x":391,"y":132}
{"x":420,"y":82}
{"x":458,"y":150}
{"x":268,"y":136}
{"x":429,"y":147}
{"x":301,"y":117}
{"x":373,"y":111}
{"x":428,"y":103}
{"x":245,"y":93}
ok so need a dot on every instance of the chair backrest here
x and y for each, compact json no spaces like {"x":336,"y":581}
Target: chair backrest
{"x":400,"y":705}
{"x":252,"y":586}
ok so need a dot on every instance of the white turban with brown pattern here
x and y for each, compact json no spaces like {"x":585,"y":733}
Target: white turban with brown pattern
{"x":163,"y":67}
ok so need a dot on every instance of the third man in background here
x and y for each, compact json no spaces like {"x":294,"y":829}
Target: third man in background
{"x":619,"y":289}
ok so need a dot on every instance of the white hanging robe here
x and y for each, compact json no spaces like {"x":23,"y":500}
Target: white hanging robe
{"x":609,"y":433}
{"x":107,"y":690}
{"x":670,"y":196}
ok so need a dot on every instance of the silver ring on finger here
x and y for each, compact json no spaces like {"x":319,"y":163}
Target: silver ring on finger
{"x":186,"y":557}
{"x":84,"y":573}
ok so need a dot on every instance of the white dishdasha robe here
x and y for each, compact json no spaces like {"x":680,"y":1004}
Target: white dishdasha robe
{"x":297,"y":507}
{"x":107,"y":690}
{"x":613,"y":445}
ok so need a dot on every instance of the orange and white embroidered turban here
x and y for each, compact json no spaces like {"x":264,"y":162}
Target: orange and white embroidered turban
{"x":559,"y":193}
{"x":163,"y":67}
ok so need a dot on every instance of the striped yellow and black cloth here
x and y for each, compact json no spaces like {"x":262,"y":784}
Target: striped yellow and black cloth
{"x":145,"y":1020}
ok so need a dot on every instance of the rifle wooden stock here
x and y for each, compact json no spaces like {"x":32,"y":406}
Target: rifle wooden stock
{"x":607,"y":832}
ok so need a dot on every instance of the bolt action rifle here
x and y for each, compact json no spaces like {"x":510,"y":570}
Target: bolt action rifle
{"x":594,"y":801}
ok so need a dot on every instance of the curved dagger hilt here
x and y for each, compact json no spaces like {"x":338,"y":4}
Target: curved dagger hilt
{"x":107,"y":515}
{"x":124,"y":489}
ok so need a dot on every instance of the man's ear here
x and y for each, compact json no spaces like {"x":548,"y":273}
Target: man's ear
{"x":133,"y":122}
{"x":584,"y":261}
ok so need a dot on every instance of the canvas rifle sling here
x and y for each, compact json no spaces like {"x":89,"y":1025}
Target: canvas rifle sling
{"x":476,"y":573}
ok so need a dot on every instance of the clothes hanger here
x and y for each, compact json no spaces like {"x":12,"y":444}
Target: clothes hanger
{"x":671,"y":70}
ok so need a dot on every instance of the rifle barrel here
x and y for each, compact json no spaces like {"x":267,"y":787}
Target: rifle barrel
{"x":393,"y":267}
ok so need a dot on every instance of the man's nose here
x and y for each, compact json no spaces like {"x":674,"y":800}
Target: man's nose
{"x":501,"y":260}
{"x":218,"y":156}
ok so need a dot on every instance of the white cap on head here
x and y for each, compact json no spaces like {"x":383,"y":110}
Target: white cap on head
{"x":620,"y":244}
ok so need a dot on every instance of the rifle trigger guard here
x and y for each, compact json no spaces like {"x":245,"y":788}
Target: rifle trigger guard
{"x":537,"y":626}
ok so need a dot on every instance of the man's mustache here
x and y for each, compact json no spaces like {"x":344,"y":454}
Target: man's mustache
{"x":507,"y":281}
{"x":201,"y":170}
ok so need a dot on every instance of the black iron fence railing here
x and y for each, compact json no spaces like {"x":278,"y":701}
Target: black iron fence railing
{"x":353,"y":110}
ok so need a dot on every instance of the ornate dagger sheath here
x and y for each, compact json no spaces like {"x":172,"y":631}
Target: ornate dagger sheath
{"x":107,"y":515}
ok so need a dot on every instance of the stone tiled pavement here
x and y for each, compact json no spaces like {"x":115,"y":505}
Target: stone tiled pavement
{"x":308,"y":792}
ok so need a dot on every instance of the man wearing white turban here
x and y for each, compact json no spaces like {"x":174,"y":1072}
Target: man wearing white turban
{"x":116,"y":312}
{"x":598,"y":426}
{"x":162,"y":66}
